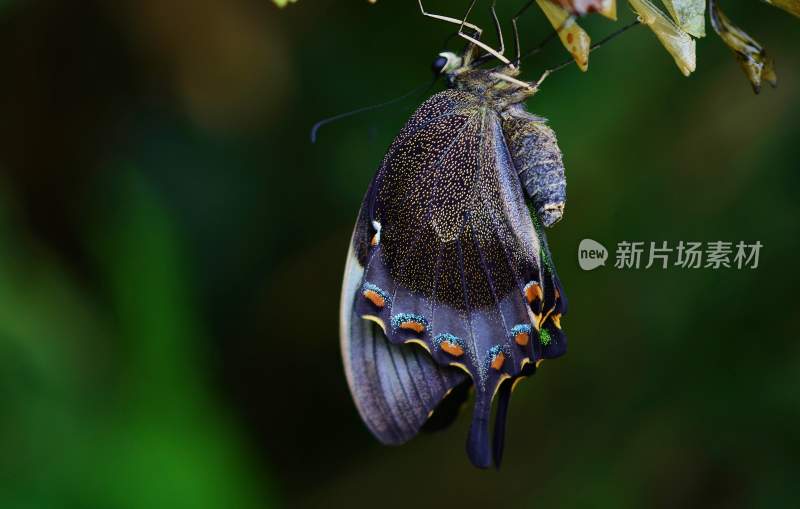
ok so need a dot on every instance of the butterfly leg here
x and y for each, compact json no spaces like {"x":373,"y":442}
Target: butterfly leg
{"x":517,"y":47}
{"x":498,"y":28}
{"x":552,"y":35}
{"x":510,"y":79}
{"x":463,"y":23}
{"x":543,"y":77}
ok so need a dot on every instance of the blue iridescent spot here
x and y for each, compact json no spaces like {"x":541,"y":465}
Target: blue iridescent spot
{"x":496,"y":358}
{"x":521,"y":328}
{"x":400,"y":319}
{"x":369,"y":288}
{"x":450,"y":344}
{"x":521,"y":334}
{"x":446,"y":336}
{"x":496,"y":349}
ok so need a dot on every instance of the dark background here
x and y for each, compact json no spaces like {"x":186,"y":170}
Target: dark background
{"x":172,"y":248}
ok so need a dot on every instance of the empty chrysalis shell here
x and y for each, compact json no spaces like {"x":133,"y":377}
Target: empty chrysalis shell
{"x":790,"y":6}
{"x":573,"y":37}
{"x":677,"y":42}
{"x":753,"y":58}
{"x":690,"y":15}
{"x":607,"y":8}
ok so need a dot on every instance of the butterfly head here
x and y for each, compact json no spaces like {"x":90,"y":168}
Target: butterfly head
{"x":446,"y":63}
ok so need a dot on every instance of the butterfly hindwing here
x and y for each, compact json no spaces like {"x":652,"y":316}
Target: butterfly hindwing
{"x":395,"y":387}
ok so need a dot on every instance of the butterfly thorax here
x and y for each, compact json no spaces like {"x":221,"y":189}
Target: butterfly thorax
{"x":489,"y":86}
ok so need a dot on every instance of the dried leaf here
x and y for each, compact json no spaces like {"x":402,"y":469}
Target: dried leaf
{"x":607,"y":8}
{"x":755,"y":62}
{"x":690,"y":15}
{"x":572,"y":36}
{"x":790,"y":6}
{"x":679,"y":44}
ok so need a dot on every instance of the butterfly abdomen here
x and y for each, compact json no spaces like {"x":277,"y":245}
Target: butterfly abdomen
{"x":538,"y":161}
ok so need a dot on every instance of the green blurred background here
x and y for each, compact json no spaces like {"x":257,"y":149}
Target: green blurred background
{"x":172,"y":247}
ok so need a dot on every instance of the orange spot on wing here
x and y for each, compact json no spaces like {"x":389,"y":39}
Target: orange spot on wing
{"x":374,"y":241}
{"x":375,"y":298}
{"x":522,"y":338}
{"x":452,"y":348}
{"x":498,"y":361}
{"x":533,"y":292}
{"x":570,"y":37}
{"x":413,"y":326}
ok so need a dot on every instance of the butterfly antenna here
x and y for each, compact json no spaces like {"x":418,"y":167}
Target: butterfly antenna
{"x":544,"y":42}
{"x":498,"y":27}
{"x":539,"y":47}
{"x":515,"y":29}
{"x":614,"y":35}
{"x":594,"y":46}
{"x":364,"y":109}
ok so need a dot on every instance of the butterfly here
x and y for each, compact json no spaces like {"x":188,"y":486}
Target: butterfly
{"x":449,"y":283}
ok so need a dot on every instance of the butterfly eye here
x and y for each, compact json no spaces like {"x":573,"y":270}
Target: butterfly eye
{"x":446,"y":62}
{"x":439,"y":64}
